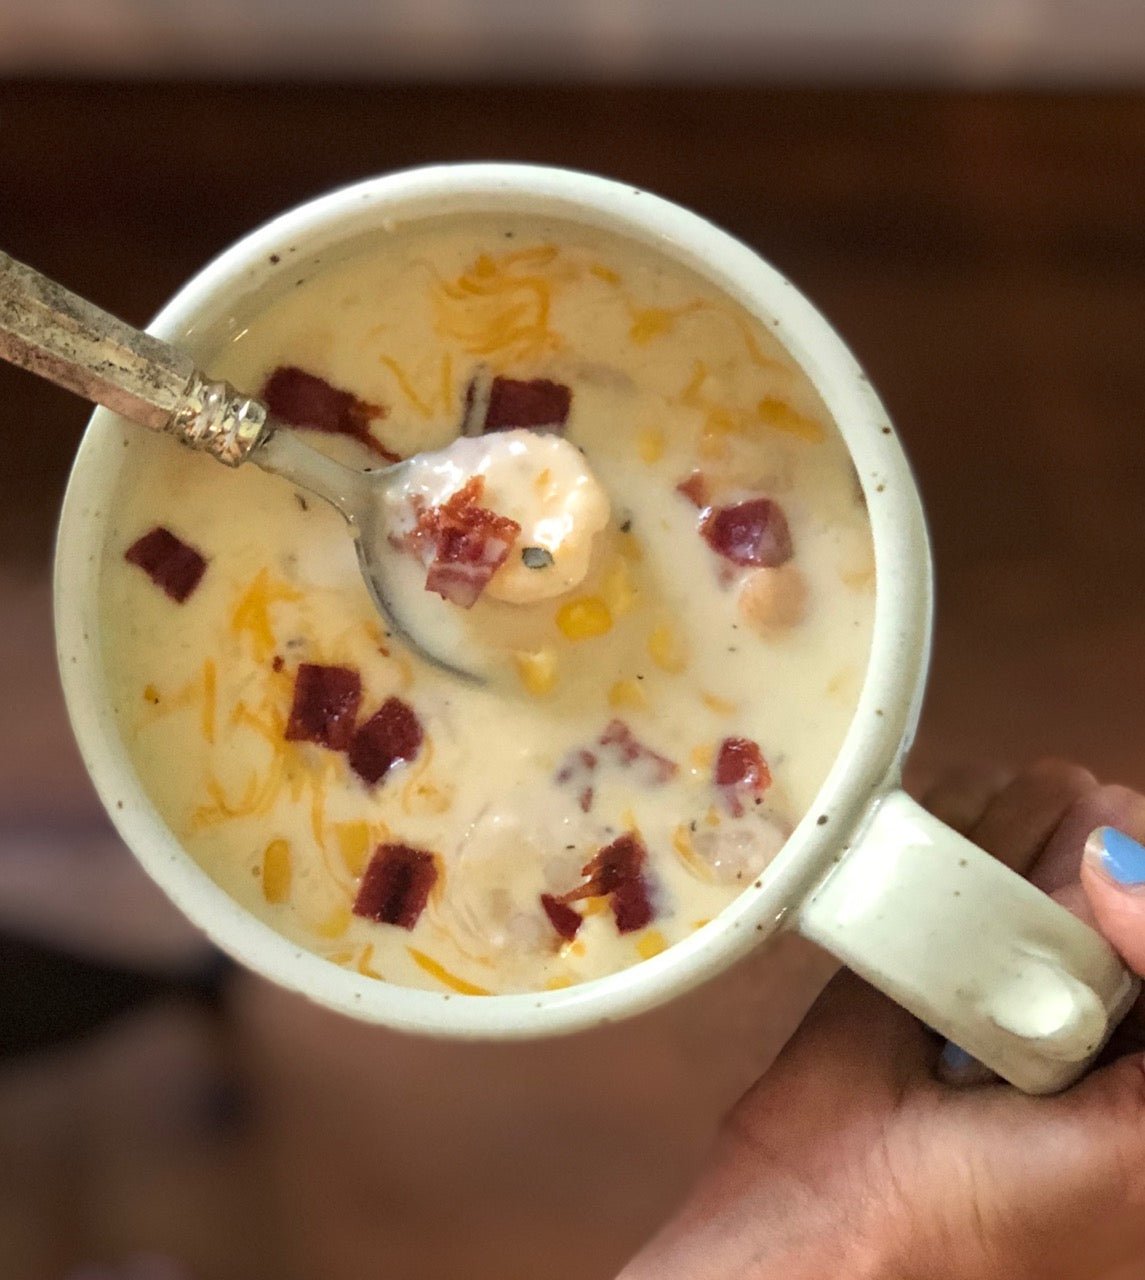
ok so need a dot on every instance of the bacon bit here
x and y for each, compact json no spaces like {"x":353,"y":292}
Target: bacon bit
{"x":391,"y":734}
{"x":463,"y":544}
{"x":626,"y":749}
{"x":538,"y":403}
{"x":619,"y":746}
{"x":578,"y":767}
{"x":429,"y":965}
{"x":396,"y":885}
{"x":617,"y":871}
{"x":564,"y":919}
{"x":740,"y":772}
{"x":305,"y":400}
{"x":631,"y":906}
{"x":169,"y":562}
{"x":695,"y":489}
{"x":751,"y":533}
{"x":278,"y":663}
{"x":325,"y":706}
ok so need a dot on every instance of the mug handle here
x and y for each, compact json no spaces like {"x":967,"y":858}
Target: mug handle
{"x":969,"y":947}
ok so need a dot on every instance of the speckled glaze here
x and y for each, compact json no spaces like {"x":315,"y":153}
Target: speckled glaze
{"x":956,"y":938}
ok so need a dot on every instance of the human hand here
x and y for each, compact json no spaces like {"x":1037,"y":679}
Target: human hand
{"x":852,"y":1160}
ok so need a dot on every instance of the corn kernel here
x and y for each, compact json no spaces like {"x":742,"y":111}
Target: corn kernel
{"x":354,"y":845}
{"x":276,"y":871}
{"x":627,"y":695}
{"x":703,"y":755}
{"x":151,"y":694}
{"x":650,"y":444}
{"x":618,"y":589}
{"x":666,"y":651}
{"x":651,"y":943}
{"x":537,"y":671}
{"x":585,"y":618}
{"x":558,"y":984}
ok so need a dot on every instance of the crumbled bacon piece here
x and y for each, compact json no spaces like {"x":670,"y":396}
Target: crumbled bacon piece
{"x":617,"y":872}
{"x":305,"y":400}
{"x":751,"y":533}
{"x":169,"y":562}
{"x":631,"y":905}
{"x":695,"y":489}
{"x":537,"y":403}
{"x":563,"y":918}
{"x":578,"y":767}
{"x":626,"y":749}
{"x":396,"y":885}
{"x":390,"y":735}
{"x":325,"y":705}
{"x":463,"y":544}
{"x":741,"y":772}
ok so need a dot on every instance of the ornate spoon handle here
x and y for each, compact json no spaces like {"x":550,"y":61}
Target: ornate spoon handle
{"x":49,"y":331}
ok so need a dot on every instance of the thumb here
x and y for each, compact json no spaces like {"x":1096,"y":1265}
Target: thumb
{"x":1113,"y":877}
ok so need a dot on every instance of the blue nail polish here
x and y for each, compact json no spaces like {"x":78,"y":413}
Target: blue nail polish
{"x":1120,"y":856}
{"x":958,"y":1068}
{"x":956,"y":1059}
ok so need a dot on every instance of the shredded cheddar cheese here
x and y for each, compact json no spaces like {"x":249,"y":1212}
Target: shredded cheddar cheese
{"x":429,"y":965}
{"x":502,"y":306}
{"x":276,"y":872}
{"x":653,"y":322}
{"x":715,"y":703}
{"x":776,"y":413}
{"x":210,"y":694}
{"x":251,"y":614}
{"x":604,"y":273}
{"x":354,"y":845}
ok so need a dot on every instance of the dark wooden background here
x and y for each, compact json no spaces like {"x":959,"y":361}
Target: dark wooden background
{"x":983,"y":254}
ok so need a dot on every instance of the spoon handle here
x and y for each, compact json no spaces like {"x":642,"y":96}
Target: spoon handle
{"x":49,"y":331}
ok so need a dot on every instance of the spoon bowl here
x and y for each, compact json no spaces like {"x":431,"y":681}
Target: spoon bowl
{"x":52,"y":332}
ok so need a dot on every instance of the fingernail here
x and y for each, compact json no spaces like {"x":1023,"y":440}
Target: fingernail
{"x":1117,"y":856}
{"x":957,"y":1067}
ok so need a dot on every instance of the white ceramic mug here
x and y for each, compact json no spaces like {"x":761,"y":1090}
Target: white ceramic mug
{"x":959,"y":940}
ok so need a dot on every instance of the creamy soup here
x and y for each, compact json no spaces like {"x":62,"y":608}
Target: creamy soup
{"x":644,"y":528}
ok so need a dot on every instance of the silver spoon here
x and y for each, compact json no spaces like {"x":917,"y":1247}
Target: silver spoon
{"x":69,"y":341}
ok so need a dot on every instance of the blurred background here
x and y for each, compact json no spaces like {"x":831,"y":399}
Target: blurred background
{"x":958,"y":185}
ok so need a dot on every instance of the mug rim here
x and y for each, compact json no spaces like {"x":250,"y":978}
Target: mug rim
{"x":878,"y":735}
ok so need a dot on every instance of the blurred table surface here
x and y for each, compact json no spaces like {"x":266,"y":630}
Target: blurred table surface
{"x":983,"y":255}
